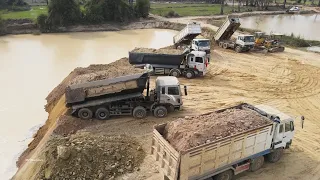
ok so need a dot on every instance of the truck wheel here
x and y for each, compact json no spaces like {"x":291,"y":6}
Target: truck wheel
{"x":221,"y":44}
{"x":85,"y":113}
{"x":256,"y":163}
{"x":275,"y":155}
{"x":238,"y":49}
{"x":102,"y":114}
{"x":139,"y":112}
{"x":226,"y":175}
{"x":225,"y":45}
{"x":160,"y":112}
{"x":175,"y":73}
{"x":189,"y":74}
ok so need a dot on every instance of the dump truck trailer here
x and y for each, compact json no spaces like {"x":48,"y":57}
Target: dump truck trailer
{"x":188,"y":33}
{"x":187,"y":64}
{"x":188,"y":36}
{"x":228,"y":156}
{"x":226,"y":30}
{"x":124,"y":96}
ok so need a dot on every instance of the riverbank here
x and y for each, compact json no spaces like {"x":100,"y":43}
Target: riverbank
{"x":26,"y":26}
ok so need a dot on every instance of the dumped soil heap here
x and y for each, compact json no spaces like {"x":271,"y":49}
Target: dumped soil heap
{"x":79,"y":75}
{"x":158,"y":51}
{"x":188,"y":132}
{"x":90,"y":156}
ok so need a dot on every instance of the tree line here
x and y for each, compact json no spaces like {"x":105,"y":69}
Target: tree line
{"x":63,"y":13}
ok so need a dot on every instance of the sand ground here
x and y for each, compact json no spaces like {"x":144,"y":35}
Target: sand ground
{"x":289,"y":81}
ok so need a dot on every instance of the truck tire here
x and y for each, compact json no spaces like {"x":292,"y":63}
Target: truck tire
{"x":85,"y":113}
{"x":256,"y":163}
{"x":226,"y":175}
{"x":238,"y":49}
{"x":175,"y":73}
{"x":139,"y":112}
{"x":221,"y":44}
{"x":225,"y":45}
{"x":189,"y":74}
{"x":102,"y":114}
{"x":275,"y":155}
{"x":160,"y":112}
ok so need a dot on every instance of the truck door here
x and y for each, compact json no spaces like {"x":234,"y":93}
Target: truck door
{"x":200,"y":64}
{"x":288,"y":132}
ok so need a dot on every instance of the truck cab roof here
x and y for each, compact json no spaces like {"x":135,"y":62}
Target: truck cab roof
{"x":270,"y":110}
{"x":167,"y":81}
{"x":199,"y":53}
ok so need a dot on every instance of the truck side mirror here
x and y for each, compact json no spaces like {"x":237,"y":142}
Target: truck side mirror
{"x":185,"y":90}
{"x":302,"y":121}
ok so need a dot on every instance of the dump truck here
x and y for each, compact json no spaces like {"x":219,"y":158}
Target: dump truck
{"x":190,"y":36}
{"x":124,"y":95}
{"x":187,"y":34}
{"x":228,"y":156}
{"x":242,"y":43}
{"x":187,"y":63}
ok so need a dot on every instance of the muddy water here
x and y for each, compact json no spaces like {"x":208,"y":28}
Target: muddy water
{"x":306,"y":26}
{"x":31,"y":66}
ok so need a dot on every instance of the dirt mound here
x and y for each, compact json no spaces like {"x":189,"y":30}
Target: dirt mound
{"x":67,"y":125}
{"x":120,"y":67}
{"x":188,"y":132}
{"x":88,"y":156}
{"x":158,"y":51}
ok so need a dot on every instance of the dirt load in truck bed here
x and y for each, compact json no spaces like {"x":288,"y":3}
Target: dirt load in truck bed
{"x":188,"y":132}
{"x":158,"y":51}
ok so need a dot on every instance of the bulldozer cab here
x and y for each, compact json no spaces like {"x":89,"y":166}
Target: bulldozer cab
{"x":276,"y":38}
{"x":259,"y":38}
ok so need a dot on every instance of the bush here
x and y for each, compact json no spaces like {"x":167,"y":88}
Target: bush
{"x":62,"y":12}
{"x":42,"y":22}
{"x":171,"y":14}
{"x":142,"y":8}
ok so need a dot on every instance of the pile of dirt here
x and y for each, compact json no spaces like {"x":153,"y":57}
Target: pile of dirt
{"x":90,"y":156}
{"x":158,"y":51}
{"x":188,"y":132}
{"x":120,"y":67}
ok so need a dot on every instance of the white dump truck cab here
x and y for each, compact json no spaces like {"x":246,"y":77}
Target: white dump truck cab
{"x":201,"y":44}
{"x":244,"y":43}
{"x":283,"y":128}
{"x":169,"y":91}
{"x":197,"y":61}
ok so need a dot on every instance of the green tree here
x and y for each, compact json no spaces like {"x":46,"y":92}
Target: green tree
{"x":2,"y":26}
{"x":108,"y":10}
{"x":42,"y":22}
{"x":142,"y":8}
{"x":222,"y":6}
{"x":62,"y":12}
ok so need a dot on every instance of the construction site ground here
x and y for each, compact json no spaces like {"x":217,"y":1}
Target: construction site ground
{"x":289,"y":81}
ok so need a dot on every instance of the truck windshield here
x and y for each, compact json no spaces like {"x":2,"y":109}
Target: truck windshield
{"x":248,"y":39}
{"x":203,"y":43}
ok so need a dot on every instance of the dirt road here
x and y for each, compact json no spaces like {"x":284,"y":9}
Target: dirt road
{"x":289,"y":81}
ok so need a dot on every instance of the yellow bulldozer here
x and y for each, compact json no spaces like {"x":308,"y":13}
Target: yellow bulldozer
{"x":270,"y":42}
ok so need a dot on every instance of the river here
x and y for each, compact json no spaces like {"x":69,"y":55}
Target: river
{"x":31,"y":66}
{"x":306,"y":26}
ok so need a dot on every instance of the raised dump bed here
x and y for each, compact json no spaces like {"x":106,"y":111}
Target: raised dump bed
{"x":227,"y":141}
{"x":78,"y":93}
{"x":188,"y":33}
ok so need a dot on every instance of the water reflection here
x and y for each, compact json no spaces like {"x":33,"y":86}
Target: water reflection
{"x":306,"y":26}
